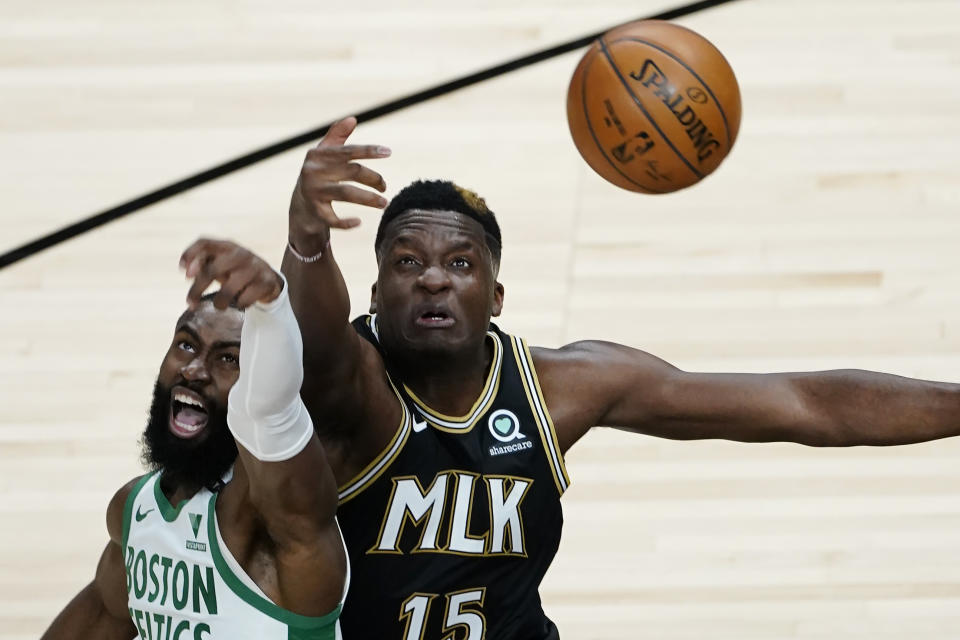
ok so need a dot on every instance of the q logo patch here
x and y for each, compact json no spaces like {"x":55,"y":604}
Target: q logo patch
{"x":504,"y":426}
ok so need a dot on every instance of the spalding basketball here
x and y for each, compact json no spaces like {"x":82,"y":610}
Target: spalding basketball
{"x":653,"y":107}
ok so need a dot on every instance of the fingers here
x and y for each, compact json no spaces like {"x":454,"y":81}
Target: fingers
{"x":349,"y":152}
{"x":243,"y":276}
{"x":196,"y":290}
{"x":329,"y":217}
{"x":323,"y":194}
{"x":336,"y":163}
{"x":247,"y":296}
{"x":314,"y":174}
{"x":323,"y":180}
{"x":194,"y":261}
{"x":338,"y":132}
{"x":262,"y":289}
{"x":349,"y":193}
{"x":364,"y":175}
{"x":193,"y":255}
{"x":324,"y":177}
{"x":344,"y":223}
{"x":247,"y":285}
{"x":213,"y":260}
{"x":325,"y":213}
{"x":237,"y":282}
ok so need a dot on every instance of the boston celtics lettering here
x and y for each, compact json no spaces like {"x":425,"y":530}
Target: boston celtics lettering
{"x":165,"y":581}
{"x":186,"y":587}
{"x":158,"y":626}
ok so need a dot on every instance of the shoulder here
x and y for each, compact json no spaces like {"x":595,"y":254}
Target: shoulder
{"x":364,"y":327}
{"x":596,"y":372}
{"x":585,"y":383}
{"x":584,"y":353}
{"x":117,"y":506}
{"x":566,"y":368}
{"x":573,"y":369}
{"x":575,"y":386}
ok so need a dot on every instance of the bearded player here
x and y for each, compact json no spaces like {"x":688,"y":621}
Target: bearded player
{"x":232,"y":535}
{"x":447,"y":435}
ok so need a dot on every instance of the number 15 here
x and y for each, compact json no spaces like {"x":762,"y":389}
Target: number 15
{"x":456,"y":613}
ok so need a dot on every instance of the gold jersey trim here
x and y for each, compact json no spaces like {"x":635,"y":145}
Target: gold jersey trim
{"x":379,"y":464}
{"x":548,"y":433}
{"x":462,"y":424}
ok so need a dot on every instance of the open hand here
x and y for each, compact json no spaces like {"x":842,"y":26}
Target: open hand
{"x":324,"y":179}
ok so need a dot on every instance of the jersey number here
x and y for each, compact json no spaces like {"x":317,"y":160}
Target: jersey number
{"x":462,"y":610}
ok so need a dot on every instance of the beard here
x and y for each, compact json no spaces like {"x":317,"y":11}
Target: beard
{"x":193,"y":463}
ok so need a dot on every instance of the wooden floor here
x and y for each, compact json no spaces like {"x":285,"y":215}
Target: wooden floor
{"x":829,"y":238}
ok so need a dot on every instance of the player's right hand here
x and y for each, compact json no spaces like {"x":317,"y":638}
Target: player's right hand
{"x":324,"y":179}
{"x":244,"y":277}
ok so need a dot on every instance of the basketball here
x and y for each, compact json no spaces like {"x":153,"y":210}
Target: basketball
{"x":653,"y":107}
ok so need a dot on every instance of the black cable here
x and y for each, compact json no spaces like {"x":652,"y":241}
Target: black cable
{"x":131,"y":206}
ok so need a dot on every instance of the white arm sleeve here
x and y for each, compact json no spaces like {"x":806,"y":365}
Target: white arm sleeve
{"x":264,"y":409}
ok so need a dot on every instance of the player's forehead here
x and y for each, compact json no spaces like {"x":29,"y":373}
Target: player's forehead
{"x":422,"y":225}
{"x":209,"y":324}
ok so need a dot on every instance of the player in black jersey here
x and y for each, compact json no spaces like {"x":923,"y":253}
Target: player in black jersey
{"x":447,"y":435}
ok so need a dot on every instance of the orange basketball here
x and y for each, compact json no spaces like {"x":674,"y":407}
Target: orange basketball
{"x":653,"y":107}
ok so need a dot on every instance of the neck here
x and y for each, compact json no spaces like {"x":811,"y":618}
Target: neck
{"x":177,"y":490}
{"x":449,"y":383}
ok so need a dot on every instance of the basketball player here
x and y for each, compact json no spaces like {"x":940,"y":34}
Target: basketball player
{"x":447,"y":435}
{"x":205,"y":547}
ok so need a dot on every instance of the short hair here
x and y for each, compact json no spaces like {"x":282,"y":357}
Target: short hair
{"x":207,"y":298}
{"x":443,"y":195}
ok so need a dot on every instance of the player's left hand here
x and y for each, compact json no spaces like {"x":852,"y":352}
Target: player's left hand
{"x":244,"y":277}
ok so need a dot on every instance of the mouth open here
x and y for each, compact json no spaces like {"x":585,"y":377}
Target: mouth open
{"x":188,"y":413}
{"x":435,"y":319}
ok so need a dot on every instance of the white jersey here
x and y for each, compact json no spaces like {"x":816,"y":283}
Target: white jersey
{"x":184,"y":584}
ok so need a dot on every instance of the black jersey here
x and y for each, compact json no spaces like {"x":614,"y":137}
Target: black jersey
{"x":450,"y":530}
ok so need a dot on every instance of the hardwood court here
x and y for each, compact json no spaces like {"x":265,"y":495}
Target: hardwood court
{"x":827,"y":239}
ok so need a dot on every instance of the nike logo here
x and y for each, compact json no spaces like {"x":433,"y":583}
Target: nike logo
{"x":419,"y":426}
{"x":140,"y":516}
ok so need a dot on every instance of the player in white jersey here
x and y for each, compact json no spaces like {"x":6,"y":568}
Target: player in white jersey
{"x":233,"y":534}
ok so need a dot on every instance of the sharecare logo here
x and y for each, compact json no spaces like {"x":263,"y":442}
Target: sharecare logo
{"x":497,"y":450}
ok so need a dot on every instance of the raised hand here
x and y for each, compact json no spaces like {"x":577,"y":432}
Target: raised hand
{"x":324,"y":179}
{"x":243,"y":276}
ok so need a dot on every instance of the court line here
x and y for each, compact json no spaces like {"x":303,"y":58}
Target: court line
{"x":131,"y":206}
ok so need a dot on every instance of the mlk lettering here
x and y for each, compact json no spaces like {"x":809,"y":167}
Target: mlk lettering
{"x":446,"y":505}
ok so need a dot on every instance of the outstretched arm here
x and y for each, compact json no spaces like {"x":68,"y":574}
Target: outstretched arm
{"x":100,"y":609}
{"x":334,"y":356}
{"x":600,"y":383}
{"x":289,"y":481}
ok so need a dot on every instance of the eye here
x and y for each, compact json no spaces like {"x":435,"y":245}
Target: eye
{"x":407,"y":260}
{"x":183,"y":345}
{"x":229,"y":358}
{"x":460,"y":262}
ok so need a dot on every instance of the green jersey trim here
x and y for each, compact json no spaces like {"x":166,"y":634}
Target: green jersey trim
{"x":128,"y":507}
{"x":167,"y":510}
{"x":294,"y":620}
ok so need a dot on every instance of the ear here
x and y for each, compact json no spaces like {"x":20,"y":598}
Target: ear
{"x":497,"y":299}
{"x":373,"y":298}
